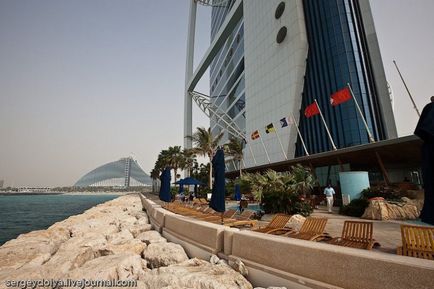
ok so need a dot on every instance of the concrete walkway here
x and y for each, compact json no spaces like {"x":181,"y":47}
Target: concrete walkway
{"x":387,"y":233}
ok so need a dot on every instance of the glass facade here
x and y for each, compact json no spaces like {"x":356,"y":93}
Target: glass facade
{"x":338,"y":54}
{"x":227,"y":73}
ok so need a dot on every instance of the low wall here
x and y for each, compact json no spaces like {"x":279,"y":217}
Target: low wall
{"x":201,"y":239}
{"x":301,"y":261}
{"x":282,"y":261}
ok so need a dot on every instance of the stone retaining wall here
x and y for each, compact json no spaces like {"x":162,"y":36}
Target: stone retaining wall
{"x":290,"y":262}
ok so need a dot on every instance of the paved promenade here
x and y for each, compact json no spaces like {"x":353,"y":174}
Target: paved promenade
{"x":387,"y":233}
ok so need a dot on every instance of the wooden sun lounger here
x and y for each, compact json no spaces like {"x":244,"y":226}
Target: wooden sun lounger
{"x":276,"y":225}
{"x":312,"y":230}
{"x":417,"y":241}
{"x":217,"y":216}
{"x":356,"y":235}
{"x":242,"y":220}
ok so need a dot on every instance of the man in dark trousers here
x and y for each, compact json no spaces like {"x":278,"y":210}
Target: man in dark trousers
{"x":425,"y":130}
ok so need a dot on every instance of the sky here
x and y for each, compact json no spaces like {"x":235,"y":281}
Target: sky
{"x":83,"y":83}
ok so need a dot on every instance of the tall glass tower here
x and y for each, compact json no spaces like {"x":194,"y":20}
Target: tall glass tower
{"x":270,"y":59}
{"x":227,"y":84}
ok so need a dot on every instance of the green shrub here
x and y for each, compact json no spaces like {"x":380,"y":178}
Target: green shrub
{"x":384,"y":192}
{"x":355,"y":208}
{"x":282,"y":192}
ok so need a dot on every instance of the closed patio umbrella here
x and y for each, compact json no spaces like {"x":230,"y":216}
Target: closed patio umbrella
{"x":237,"y":192}
{"x":165,"y":194}
{"x":217,"y":202}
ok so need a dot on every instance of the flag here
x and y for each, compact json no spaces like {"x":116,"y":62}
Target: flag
{"x":255,"y":135}
{"x":340,"y":96}
{"x":270,"y":128}
{"x":283,"y":122}
{"x":311,"y":110}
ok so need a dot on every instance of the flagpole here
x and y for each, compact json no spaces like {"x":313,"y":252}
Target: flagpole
{"x":265,"y":149}
{"x":326,"y":127}
{"x":371,"y":138}
{"x":251,"y":151}
{"x":299,"y":134}
{"x":280,"y":142}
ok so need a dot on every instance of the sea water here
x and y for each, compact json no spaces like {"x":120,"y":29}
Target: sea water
{"x":22,"y":214}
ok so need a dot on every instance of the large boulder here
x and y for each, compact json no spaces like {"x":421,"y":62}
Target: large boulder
{"x":33,"y":248}
{"x":150,"y":237}
{"x":194,"y":273}
{"x":112,"y":267}
{"x":164,"y":254}
{"x":379,"y":209}
{"x":133,"y":246}
{"x":76,"y":252}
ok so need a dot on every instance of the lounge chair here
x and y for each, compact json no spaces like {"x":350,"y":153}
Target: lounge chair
{"x":312,"y":230}
{"x":228,"y":214}
{"x":417,"y":241}
{"x":356,"y":235}
{"x":276,"y":225}
{"x":241,"y":220}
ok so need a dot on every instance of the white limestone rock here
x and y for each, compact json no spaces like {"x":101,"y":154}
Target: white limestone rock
{"x":76,"y":252}
{"x":113,"y":267}
{"x":193,"y":273}
{"x":164,"y":254}
{"x":137,"y":229}
{"x":33,"y":248}
{"x":120,"y":237}
{"x":150,"y":237}
{"x":133,"y":246}
{"x":239,"y":266}
{"x":214,"y":259}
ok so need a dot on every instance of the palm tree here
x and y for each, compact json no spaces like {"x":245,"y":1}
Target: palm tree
{"x":174,"y":158}
{"x":189,"y":160}
{"x":303,"y":179}
{"x":206,"y":145}
{"x":235,"y":149}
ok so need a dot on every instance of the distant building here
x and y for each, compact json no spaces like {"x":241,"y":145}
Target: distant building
{"x":2,"y":182}
{"x":125,"y":172}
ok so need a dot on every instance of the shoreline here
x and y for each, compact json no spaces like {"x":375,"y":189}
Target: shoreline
{"x":64,"y":193}
{"x":111,"y":241}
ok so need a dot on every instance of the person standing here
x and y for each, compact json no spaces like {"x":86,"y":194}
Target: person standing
{"x":425,"y":130}
{"x":329,"y":192}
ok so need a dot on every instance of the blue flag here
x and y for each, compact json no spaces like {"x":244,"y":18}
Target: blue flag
{"x":283,"y":122}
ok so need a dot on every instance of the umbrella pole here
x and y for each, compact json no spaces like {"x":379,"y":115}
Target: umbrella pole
{"x":222,"y":218}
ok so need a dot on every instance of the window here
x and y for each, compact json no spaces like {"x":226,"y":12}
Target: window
{"x":279,"y":10}
{"x":281,"y":35}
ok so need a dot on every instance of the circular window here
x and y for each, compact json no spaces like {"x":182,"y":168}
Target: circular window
{"x":281,"y":34}
{"x":279,"y":10}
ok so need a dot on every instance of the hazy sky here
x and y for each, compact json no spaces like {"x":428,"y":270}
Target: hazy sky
{"x":85,"y":82}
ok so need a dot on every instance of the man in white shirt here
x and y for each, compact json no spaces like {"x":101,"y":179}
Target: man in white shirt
{"x":329,"y":192}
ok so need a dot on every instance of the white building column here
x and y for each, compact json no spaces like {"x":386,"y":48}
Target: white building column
{"x":188,"y":117}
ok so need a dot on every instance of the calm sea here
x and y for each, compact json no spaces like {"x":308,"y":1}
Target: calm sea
{"x":22,"y":214}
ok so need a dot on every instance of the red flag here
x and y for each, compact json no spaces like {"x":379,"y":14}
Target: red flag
{"x":340,"y":96}
{"x":311,"y":110}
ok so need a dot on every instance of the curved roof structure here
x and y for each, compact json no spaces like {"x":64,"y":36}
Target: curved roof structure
{"x":124,"y":172}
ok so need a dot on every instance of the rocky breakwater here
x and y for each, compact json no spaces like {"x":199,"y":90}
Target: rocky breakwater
{"x":112,"y":241}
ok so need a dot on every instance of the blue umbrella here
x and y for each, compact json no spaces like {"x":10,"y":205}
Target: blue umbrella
{"x":218,"y":189}
{"x":180,"y":182}
{"x":237,"y":190}
{"x":165,"y":194}
{"x":192,"y":181}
